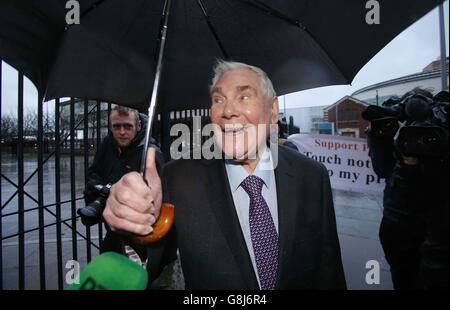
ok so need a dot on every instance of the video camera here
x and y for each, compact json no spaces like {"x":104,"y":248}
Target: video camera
{"x":91,"y":214}
{"x":425,"y":133}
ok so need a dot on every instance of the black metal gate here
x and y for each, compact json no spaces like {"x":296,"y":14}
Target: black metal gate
{"x":40,"y":230}
{"x":43,"y":172}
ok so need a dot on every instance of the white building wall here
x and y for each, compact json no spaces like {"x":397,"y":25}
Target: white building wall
{"x":303,"y":117}
{"x":432,"y":84}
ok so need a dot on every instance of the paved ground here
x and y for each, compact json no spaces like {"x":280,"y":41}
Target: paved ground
{"x":358,"y":218}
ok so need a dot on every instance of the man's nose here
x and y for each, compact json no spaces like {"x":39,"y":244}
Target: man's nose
{"x":230,"y":109}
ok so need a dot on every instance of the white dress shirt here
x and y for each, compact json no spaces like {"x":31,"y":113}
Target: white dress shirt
{"x":236,"y":174}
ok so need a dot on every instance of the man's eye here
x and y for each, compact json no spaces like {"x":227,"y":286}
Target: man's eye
{"x":128,"y":126}
{"x":245,"y":97}
{"x":218,"y":100}
{"x":124,"y":126}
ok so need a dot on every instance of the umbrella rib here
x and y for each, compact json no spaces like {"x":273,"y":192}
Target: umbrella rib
{"x":93,"y":6}
{"x":212,"y":29}
{"x":271,"y":11}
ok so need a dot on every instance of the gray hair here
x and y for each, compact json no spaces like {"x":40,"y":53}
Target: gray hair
{"x":223,"y":66}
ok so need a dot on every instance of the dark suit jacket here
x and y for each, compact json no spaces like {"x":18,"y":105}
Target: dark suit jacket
{"x":208,"y":234}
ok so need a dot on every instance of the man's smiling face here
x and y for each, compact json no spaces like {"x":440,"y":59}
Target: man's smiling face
{"x":239,"y":106}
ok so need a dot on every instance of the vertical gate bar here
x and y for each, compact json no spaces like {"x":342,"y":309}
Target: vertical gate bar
{"x":86,"y":166}
{"x":165,"y":133}
{"x":20,"y":197}
{"x":58,"y":194}
{"x":40,"y":140}
{"x":72,"y":180}
{"x":109,"y":113}
{"x":99,"y":126}
{"x":1,"y":228}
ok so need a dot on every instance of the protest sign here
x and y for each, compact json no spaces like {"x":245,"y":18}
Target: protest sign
{"x":346,"y":159}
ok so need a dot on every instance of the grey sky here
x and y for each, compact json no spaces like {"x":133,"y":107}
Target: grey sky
{"x":409,"y":53}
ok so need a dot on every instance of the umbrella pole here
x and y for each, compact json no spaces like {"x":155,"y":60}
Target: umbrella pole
{"x":152,"y":106}
{"x":444,"y":85}
{"x":166,"y":216}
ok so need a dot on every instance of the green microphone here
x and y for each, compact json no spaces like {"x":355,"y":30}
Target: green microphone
{"x":112,"y":271}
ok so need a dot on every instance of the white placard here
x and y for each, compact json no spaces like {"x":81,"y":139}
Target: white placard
{"x":347,"y":160}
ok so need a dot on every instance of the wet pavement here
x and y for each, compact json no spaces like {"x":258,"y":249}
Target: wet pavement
{"x":358,"y":217}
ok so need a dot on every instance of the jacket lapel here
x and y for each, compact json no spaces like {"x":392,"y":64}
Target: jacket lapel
{"x":287,"y":187}
{"x":225,"y":212}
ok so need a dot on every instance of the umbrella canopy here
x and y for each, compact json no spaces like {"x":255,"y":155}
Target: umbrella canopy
{"x":111,"y":55}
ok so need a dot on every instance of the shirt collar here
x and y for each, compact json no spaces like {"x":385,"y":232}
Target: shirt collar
{"x":236,"y":173}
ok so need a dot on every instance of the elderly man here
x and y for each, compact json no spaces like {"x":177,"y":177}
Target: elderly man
{"x":262,"y":218}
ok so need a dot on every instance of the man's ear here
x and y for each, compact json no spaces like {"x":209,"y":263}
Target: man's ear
{"x":275,"y":111}
{"x":139,"y":125}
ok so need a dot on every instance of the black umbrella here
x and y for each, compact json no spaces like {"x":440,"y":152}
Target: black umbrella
{"x":112,"y":54}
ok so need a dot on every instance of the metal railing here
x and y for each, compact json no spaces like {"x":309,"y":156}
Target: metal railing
{"x":42,"y":183}
{"x":22,"y":201}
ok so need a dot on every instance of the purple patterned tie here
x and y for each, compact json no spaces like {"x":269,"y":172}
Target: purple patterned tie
{"x":263,"y":233}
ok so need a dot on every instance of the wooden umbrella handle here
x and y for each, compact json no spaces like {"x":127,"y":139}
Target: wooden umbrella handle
{"x":160,"y":228}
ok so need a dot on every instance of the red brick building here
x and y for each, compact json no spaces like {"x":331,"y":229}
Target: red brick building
{"x":348,"y":113}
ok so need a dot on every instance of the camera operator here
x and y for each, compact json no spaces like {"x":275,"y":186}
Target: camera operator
{"x":434,"y":273}
{"x":120,"y":152}
{"x":408,"y":142}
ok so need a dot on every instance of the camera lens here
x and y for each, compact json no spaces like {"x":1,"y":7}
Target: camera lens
{"x":92,"y":213}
